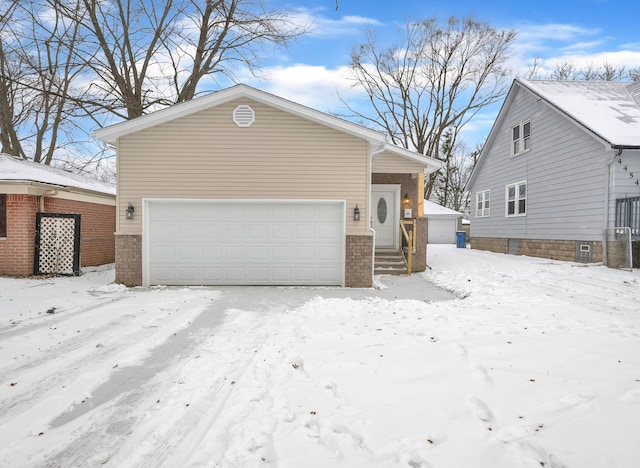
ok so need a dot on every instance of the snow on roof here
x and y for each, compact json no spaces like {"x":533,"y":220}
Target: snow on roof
{"x":609,"y":109}
{"x":19,"y":170}
{"x":433,"y":209}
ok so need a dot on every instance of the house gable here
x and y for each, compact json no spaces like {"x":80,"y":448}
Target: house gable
{"x":564,"y":171}
{"x":112,"y":133}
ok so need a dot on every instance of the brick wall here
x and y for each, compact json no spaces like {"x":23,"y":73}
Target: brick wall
{"x":17,"y":249}
{"x":491,"y":244}
{"x":97,"y":226}
{"x":545,"y":248}
{"x":359,"y":262}
{"x":129,"y":260}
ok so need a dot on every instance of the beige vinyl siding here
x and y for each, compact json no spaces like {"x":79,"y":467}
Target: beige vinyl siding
{"x":206,"y":155}
{"x":389,"y":163}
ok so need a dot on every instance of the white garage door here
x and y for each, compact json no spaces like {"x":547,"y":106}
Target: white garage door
{"x":442,"y":231}
{"x":238,"y":242}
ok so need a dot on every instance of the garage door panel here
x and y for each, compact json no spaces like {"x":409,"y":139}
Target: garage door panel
{"x":239,"y":242}
{"x":328,"y":231}
{"x":257,"y":274}
{"x":163,"y":231}
{"x":211,"y":252}
{"x":233,"y":252}
{"x":212,"y":275}
{"x":187,"y":274}
{"x":257,"y":252}
{"x":305,"y":274}
{"x":163,"y":252}
{"x":280,"y":231}
{"x":327,"y":254}
{"x":188,"y":252}
{"x":325,"y":273}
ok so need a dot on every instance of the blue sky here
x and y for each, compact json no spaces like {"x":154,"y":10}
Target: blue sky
{"x":312,"y":71}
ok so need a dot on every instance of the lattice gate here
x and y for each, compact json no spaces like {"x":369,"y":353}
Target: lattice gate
{"x":57,"y":244}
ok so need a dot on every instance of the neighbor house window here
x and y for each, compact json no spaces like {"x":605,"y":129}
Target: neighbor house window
{"x":516,"y":195}
{"x":521,"y":138}
{"x":482,"y":204}
{"x":3,"y":215}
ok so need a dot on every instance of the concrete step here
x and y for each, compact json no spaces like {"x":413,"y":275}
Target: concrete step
{"x":389,"y":262}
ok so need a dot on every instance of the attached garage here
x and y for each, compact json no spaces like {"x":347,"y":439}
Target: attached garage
{"x":243,"y":242}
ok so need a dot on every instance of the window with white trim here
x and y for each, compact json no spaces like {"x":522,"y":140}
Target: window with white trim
{"x":521,"y":138}
{"x":483,"y":204}
{"x":516,"y":196}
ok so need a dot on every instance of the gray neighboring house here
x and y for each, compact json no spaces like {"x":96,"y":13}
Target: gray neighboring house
{"x":561,"y":164}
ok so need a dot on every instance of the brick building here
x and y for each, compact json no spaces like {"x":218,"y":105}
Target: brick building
{"x":28,"y":189}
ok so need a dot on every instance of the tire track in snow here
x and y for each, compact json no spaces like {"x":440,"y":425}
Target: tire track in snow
{"x":46,"y":390}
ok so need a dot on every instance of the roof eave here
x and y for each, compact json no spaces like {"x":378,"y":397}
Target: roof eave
{"x":111,"y":134}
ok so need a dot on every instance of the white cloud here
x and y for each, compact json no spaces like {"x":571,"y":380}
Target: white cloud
{"x":557,"y":43}
{"x":313,"y":86}
{"x":325,"y":27}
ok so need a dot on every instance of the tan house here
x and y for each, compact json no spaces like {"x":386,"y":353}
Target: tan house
{"x":243,"y":187}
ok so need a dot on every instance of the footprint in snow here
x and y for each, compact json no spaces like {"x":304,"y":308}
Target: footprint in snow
{"x":481,"y":372}
{"x":572,"y":400}
{"x":529,"y":452}
{"x":481,"y":410}
{"x":632,"y":395}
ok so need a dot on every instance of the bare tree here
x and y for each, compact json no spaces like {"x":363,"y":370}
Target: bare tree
{"x":9,"y":92}
{"x":450,"y":186}
{"x":143,"y":55}
{"x":567,"y":70}
{"x":36,"y":75}
{"x":436,"y":78}
{"x":65,"y":61}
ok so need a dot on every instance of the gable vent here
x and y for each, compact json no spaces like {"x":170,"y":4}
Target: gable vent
{"x":244,"y":116}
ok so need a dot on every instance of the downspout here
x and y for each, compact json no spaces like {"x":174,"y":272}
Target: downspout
{"x":48,"y":193}
{"x":375,"y":152}
{"x":607,"y":200}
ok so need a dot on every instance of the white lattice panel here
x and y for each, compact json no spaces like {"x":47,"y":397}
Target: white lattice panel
{"x":56,"y":245}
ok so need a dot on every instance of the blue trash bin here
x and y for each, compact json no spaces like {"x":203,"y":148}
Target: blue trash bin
{"x":461,"y":239}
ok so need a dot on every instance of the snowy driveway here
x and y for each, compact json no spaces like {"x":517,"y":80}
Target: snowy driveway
{"x":534,"y":363}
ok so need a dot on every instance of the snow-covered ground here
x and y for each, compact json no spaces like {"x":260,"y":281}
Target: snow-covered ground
{"x":536,"y":363}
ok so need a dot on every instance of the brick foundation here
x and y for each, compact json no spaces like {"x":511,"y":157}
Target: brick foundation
{"x":545,"y":248}
{"x":97,"y":225}
{"x":359,"y":262}
{"x":129,"y":260}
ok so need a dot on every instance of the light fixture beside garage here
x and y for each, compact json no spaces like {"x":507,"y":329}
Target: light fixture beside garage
{"x":356,"y":213}
{"x":129,"y":211}
{"x":244,"y":115}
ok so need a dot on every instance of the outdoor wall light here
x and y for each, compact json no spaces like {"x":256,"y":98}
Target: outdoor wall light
{"x":129,"y":211}
{"x":356,"y":213}
{"x":406,"y":198}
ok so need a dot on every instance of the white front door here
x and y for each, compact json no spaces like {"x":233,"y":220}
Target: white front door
{"x":385,"y":203}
